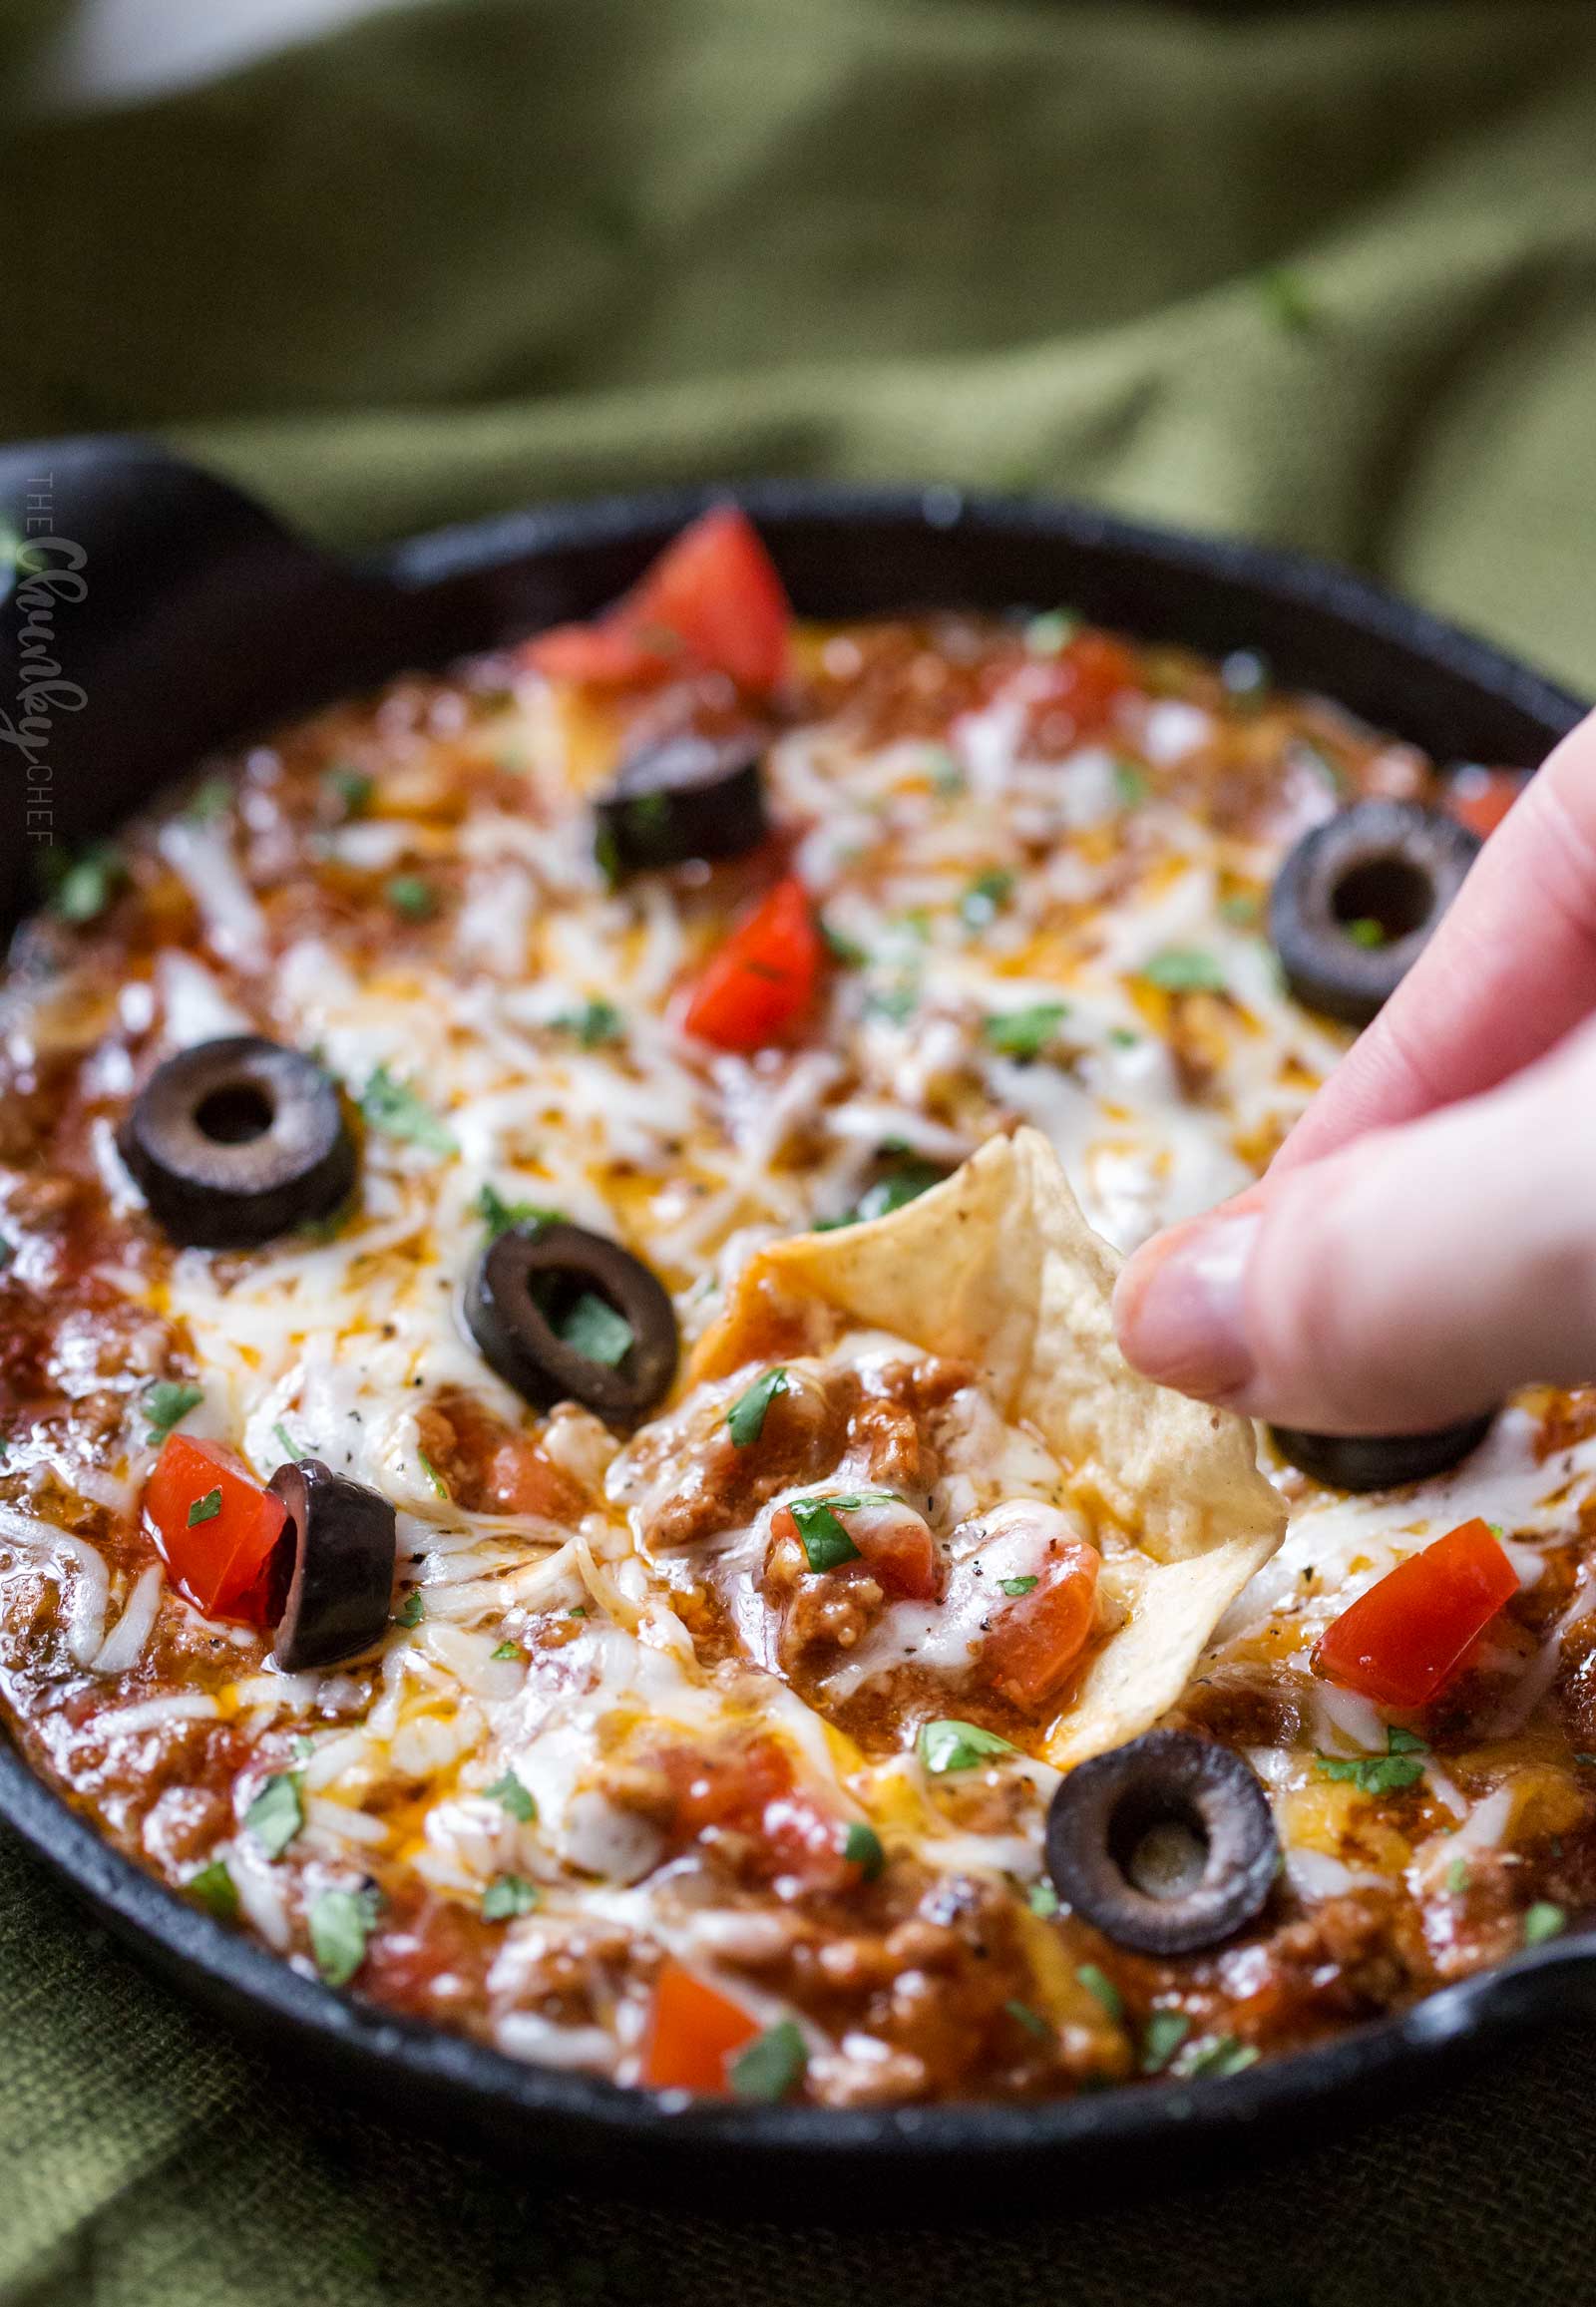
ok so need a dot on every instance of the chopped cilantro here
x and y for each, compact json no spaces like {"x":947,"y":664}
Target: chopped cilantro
{"x":1043,"y":1899}
{"x":507,"y":1896}
{"x":167,"y":1405}
{"x":1241,"y":909}
{"x":1223,"y":2054}
{"x":7,"y":1252}
{"x":862,"y":1848}
{"x":287,"y":1444}
{"x":276,"y":1814}
{"x":771,"y":2067}
{"x":341,"y":1921}
{"x":507,"y":1648}
{"x":1130,"y":783}
{"x":206,"y":1509}
{"x":953,"y":1746}
{"x":351,"y":788}
{"x":85,"y":884}
{"x":946,"y":773}
{"x":842,"y":948}
{"x":907,"y":1183}
{"x":897,"y":1003}
{"x":593,"y":1328}
{"x":1123,"y":1037}
{"x":578,"y":1610}
{"x":435,"y":1481}
{"x":825,"y":1542}
{"x":1025,"y":1032}
{"x":1016,"y":1585}
{"x":208,"y":801}
{"x":1543,"y":1921}
{"x":499,"y":1216}
{"x":1401,"y":1764}
{"x":746,"y":1420}
{"x":594,"y":1024}
{"x":986,"y":897}
{"x":1030,"y":2019}
{"x":1162,"y":2037}
{"x":1046,"y":636}
{"x":511,"y":1796}
{"x":395,"y":1109}
{"x":606,"y":853}
{"x":1364,"y":932}
{"x":1286,"y":299}
{"x":412,"y":1610}
{"x":411,"y":896}
{"x":1458,"y":1877}
{"x":301,"y":1747}
{"x":215,"y":1888}
{"x":1184,"y":970}
{"x":1098,"y":1983}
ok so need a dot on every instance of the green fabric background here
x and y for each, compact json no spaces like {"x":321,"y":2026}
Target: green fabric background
{"x":472,"y":255}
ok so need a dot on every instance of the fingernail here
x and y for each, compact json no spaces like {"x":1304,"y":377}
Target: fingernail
{"x":1183,"y":1324}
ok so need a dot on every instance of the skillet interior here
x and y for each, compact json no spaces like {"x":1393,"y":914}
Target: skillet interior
{"x":202,"y":620}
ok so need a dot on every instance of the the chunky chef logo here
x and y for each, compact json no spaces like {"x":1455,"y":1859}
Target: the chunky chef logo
{"x":42,"y":572}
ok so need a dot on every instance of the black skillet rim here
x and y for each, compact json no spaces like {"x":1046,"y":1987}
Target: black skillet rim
{"x":586,"y":2116}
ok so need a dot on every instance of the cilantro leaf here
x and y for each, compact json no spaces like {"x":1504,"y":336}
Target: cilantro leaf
{"x":771,"y":2067}
{"x":1048,"y":634}
{"x":276,"y":1814}
{"x":596,"y":1024}
{"x":411,"y":896}
{"x":1016,"y":1585}
{"x":593,"y":1328}
{"x":167,"y":1405}
{"x":499,"y":1216}
{"x":1030,"y":2019}
{"x":862,"y":1848}
{"x":1223,"y":2054}
{"x":215,"y":1888}
{"x":1043,"y":1899}
{"x":412,"y":1610}
{"x":746,"y":1420}
{"x":341,"y":1921}
{"x":287,"y":1442}
{"x":1543,"y":1921}
{"x":1025,"y":1032}
{"x":953,"y":1746}
{"x":395,"y":1109}
{"x":825,"y":1542}
{"x":1184,"y":970}
{"x":511,"y":1796}
{"x":907,"y":1183}
{"x":85,"y":885}
{"x":208,"y":801}
{"x":206,"y":1509}
{"x":1130,"y":784}
{"x":1097,"y":1981}
{"x":507,"y":1648}
{"x":1458,"y":1877}
{"x":351,"y":788}
{"x":507,"y":1896}
{"x":1162,"y":2037}
{"x":435,"y":1481}
{"x":986,"y":897}
{"x":1387,"y":1773}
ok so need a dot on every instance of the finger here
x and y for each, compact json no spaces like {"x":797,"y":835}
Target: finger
{"x":1407,"y":1281}
{"x":1509,"y":971}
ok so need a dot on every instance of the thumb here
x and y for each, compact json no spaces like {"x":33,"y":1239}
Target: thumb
{"x":1412,"y":1278}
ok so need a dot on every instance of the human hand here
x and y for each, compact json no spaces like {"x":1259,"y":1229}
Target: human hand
{"x":1425,"y":1239}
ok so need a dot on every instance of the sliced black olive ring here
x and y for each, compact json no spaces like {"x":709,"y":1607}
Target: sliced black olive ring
{"x":340,"y":1585}
{"x":1356,"y":900}
{"x":1380,"y":1461}
{"x":566,"y":1316}
{"x":235,"y":1141}
{"x":1166,"y":1845}
{"x":687,"y":797}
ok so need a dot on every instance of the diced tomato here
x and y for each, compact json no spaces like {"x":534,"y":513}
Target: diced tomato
{"x":712,"y":602}
{"x":693,"y":2031}
{"x":1402,"y":1642}
{"x":747,"y":1789}
{"x":764,"y":979}
{"x":217,"y":1529}
{"x":1083,"y":682}
{"x":606,"y":653}
{"x":1480,"y":798}
{"x":522,"y":1480}
{"x":1035,"y":1642}
{"x":718,"y":591}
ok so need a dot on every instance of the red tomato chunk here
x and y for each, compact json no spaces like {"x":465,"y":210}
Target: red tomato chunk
{"x":1403,"y":1640}
{"x":764,"y":979}
{"x":216,"y":1529}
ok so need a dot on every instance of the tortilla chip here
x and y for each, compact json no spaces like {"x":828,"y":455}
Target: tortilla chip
{"x":997,"y":1266}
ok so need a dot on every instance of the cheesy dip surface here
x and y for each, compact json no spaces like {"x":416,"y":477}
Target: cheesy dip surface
{"x":712,"y":1747}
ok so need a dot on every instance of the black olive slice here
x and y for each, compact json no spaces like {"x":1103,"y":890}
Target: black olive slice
{"x":566,"y":1316}
{"x":1166,"y":1845}
{"x":687,"y":797}
{"x":1356,"y":900}
{"x":1380,"y":1461}
{"x":239,"y":1140}
{"x":340,"y":1586}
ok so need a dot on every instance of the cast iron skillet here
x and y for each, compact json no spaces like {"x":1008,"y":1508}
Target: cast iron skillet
{"x":203,"y":620}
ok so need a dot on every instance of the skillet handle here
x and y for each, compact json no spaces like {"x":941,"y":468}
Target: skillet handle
{"x":149,"y":612}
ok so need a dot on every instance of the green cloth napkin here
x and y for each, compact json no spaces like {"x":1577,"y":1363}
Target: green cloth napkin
{"x":1325,"y":276}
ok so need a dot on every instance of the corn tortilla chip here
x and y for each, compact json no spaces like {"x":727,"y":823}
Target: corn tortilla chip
{"x":999,"y":1267}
